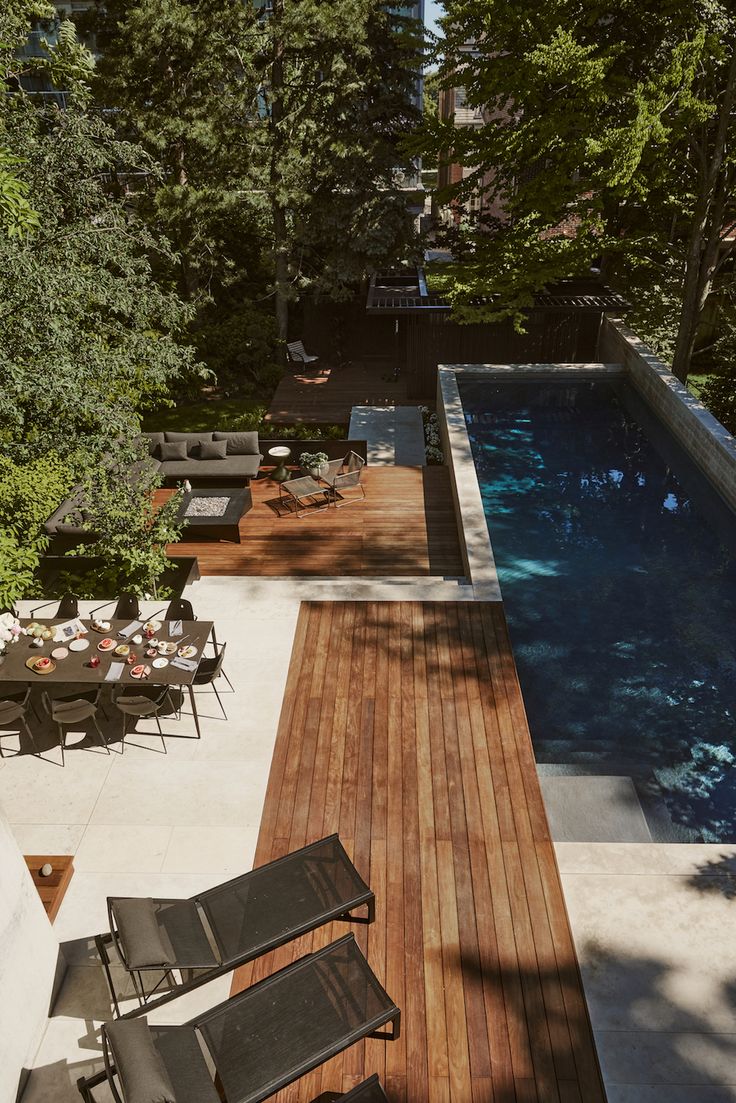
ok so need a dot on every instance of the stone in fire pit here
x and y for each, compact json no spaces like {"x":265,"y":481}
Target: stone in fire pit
{"x":214,"y":512}
{"x":206,"y":507}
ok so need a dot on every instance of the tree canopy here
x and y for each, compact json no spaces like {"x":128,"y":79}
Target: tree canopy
{"x":608,"y":139}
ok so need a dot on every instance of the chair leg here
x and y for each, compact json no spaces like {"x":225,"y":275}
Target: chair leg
{"x":219,"y":700}
{"x":61,"y":741}
{"x":161,"y":734}
{"x":30,"y":734}
{"x":125,"y":730}
{"x":232,"y":687}
{"x":101,"y":734}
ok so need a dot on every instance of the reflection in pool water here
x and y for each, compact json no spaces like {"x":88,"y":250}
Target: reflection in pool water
{"x":617,"y":562}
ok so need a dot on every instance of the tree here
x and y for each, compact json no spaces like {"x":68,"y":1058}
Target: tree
{"x":609,"y":135}
{"x":339,"y":110}
{"x":280,"y":134}
{"x":87,"y":337}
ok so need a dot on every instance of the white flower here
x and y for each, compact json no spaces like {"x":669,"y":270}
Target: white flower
{"x":7,"y":620}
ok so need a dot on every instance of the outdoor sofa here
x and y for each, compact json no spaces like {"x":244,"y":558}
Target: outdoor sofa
{"x":211,"y":456}
{"x":255,"y":1043}
{"x":230,"y":924}
{"x":178,"y":456}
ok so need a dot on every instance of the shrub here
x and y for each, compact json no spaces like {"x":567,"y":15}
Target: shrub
{"x":719,"y":395}
{"x":131,"y":532}
{"x":29,"y":493}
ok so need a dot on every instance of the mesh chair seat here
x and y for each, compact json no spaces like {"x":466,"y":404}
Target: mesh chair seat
{"x":262,"y":1039}
{"x":273,"y":1033}
{"x":256,"y":912}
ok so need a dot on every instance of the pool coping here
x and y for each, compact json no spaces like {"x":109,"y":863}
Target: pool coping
{"x":473,"y":527}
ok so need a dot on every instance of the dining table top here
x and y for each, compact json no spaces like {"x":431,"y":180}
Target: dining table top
{"x":75,"y":667}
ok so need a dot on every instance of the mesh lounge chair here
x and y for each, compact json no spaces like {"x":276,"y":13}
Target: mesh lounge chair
{"x":255,"y":1043}
{"x":233,"y":923}
{"x":370,"y":1091}
{"x":342,"y":475}
{"x":297,"y":353}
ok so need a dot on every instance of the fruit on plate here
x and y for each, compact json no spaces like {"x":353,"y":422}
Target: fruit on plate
{"x":122,"y":649}
{"x":42,"y":663}
{"x":138,"y":671}
{"x":106,"y":644}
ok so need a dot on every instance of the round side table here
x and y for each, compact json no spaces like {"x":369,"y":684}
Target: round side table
{"x":281,"y":453}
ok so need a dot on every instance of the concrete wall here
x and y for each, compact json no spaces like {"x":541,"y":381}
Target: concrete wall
{"x":709,"y":444}
{"x":28,"y":964}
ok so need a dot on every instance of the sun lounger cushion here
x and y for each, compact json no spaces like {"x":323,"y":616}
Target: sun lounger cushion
{"x":141,"y":1071}
{"x":140,"y":934}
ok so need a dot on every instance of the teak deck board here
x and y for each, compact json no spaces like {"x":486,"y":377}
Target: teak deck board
{"x":405,"y":527}
{"x":403,"y":729}
{"x":326,"y":396}
{"x":51,"y":889}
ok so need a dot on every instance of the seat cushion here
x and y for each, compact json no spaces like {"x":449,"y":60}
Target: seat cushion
{"x":240,"y":444}
{"x":139,"y":933}
{"x":213,"y":449}
{"x":231,"y":467}
{"x":141,"y":1071}
{"x":174,"y":450}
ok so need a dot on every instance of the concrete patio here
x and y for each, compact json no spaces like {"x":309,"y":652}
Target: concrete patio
{"x":652,"y":923}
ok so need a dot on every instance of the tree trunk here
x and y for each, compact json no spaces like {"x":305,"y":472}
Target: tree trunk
{"x":705,"y":233}
{"x":280,"y":228}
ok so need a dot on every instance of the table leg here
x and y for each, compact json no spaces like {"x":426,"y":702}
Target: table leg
{"x":194,"y":711}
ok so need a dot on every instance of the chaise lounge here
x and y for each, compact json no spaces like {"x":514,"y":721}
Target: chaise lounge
{"x":255,"y":1043}
{"x":231,"y":924}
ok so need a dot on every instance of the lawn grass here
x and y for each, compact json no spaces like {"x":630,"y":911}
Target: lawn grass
{"x":216,"y":413}
{"x":696,"y":382}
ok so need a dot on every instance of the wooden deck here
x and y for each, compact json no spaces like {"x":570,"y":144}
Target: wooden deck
{"x":326,"y":396}
{"x":403,"y":728}
{"x":405,"y":527}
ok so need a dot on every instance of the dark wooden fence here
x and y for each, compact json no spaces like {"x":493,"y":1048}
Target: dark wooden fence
{"x":414,"y":344}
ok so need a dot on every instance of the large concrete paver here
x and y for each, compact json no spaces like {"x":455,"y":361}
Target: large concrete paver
{"x":653,"y":927}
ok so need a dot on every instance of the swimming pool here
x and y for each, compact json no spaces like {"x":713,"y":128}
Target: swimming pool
{"x":617,"y":564}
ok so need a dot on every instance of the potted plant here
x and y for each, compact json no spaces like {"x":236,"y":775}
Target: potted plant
{"x":314,"y":463}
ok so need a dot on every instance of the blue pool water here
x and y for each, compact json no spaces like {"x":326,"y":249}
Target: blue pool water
{"x":617,"y":562}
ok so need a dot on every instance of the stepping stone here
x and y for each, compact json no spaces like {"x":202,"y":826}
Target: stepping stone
{"x":594,"y":810}
{"x":395,"y":434}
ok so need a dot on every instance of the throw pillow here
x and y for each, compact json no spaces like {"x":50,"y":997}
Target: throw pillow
{"x":174,"y":451}
{"x":240,"y":444}
{"x":213,"y":450}
{"x":141,"y":1070}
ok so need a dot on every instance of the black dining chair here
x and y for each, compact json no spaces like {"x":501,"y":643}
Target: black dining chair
{"x":14,"y":710}
{"x":68,"y":607}
{"x":209,"y":670}
{"x":73,"y":709}
{"x":179,"y":609}
{"x":144,"y":703}
{"x":127,"y":608}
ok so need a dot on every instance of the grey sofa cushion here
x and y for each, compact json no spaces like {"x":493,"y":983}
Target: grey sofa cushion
{"x":192,"y":440}
{"x":174,"y":450}
{"x":245,"y":467}
{"x":154,"y":441}
{"x":140,"y":934}
{"x":140,"y":1069}
{"x":213,"y":449}
{"x":69,"y":528}
{"x":240,"y":444}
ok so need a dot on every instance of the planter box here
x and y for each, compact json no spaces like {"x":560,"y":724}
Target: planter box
{"x":184,"y":569}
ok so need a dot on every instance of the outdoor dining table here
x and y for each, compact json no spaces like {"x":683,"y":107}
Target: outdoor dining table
{"x":75,"y":669}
